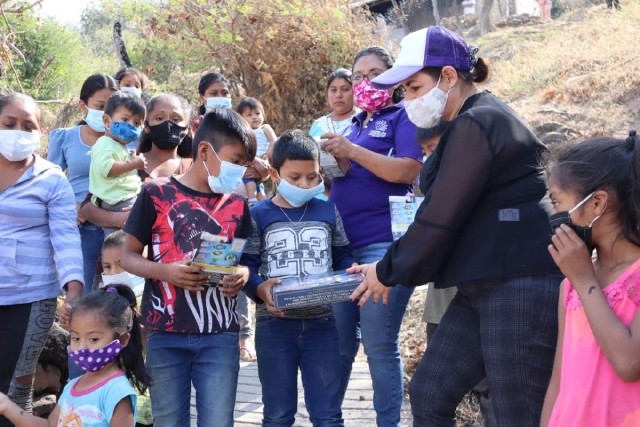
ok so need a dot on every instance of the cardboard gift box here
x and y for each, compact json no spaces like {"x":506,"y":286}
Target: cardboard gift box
{"x":317,"y":289}
{"x":217,"y":256}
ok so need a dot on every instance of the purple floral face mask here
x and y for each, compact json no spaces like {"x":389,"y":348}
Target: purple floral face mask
{"x":95,"y":359}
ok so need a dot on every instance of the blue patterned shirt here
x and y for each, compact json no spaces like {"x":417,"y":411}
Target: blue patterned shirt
{"x":39,"y":241}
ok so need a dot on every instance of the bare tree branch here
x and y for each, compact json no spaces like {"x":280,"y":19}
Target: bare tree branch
{"x":45,"y":67}
{"x":25,"y":8}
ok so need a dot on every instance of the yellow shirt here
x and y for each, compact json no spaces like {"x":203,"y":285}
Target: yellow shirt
{"x":114,"y":189}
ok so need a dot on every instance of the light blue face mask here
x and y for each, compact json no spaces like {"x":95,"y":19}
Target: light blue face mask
{"x":218,"y":102}
{"x":94,"y":120}
{"x":297,"y":196}
{"x":134,"y":90}
{"x":229,"y":178}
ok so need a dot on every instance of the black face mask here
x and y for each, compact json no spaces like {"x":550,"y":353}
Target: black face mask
{"x":584,"y":233}
{"x":167,"y":135}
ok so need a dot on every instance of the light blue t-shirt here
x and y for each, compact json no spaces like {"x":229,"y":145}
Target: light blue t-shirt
{"x":94,"y":407}
{"x":67,"y":150}
{"x":320,"y":126}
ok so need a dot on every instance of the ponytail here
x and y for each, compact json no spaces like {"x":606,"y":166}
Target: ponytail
{"x":117,"y":307}
{"x":481,"y":71}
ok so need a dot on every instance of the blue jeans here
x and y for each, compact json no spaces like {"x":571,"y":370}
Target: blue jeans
{"x":91,"y":239}
{"x":379,"y":327}
{"x":283,"y":345}
{"x":210,"y":361}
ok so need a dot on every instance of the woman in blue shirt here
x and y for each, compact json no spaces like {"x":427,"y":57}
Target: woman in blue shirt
{"x":70,"y":149}
{"x":39,"y":247}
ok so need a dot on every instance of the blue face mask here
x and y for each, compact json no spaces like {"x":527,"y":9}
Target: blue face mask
{"x":218,"y":102}
{"x":94,"y":120}
{"x":297,"y":196}
{"x":125,"y":131}
{"x":229,"y":178}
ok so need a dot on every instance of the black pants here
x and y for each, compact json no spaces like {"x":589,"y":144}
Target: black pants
{"x":24,"y":329}
{"x":505,"y":331}
{"x":482,"y":389}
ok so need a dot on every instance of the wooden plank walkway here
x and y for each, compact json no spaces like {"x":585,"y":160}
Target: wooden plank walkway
{"x":357,"y":408}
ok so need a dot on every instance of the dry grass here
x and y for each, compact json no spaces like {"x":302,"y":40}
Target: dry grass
{"x":584,"y":65}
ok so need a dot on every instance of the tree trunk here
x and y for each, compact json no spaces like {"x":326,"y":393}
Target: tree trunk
{"x":118,"y":44}
{"x":436,"y":12}
{"x":485,"y":16}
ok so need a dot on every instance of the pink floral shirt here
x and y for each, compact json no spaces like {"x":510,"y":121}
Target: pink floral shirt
{"x":591,"y":394}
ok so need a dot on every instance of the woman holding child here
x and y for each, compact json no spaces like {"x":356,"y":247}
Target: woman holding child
{"x":380,"y":143}
{"x":483,"y":227}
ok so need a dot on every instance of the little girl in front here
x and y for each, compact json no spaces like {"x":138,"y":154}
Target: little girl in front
{"x":106,"y":344}
{"x":595,"y":191}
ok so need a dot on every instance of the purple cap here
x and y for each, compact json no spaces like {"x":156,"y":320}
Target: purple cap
{"x":429,"y":47}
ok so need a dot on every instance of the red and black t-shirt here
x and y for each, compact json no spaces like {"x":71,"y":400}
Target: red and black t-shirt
{"x":169,"y":218}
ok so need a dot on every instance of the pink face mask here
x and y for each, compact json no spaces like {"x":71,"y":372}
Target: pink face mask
{"x":369,"y":98}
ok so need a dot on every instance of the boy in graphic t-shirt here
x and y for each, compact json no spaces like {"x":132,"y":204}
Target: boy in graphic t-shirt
{"x":296,"y":234}
{"x":192,"y":326}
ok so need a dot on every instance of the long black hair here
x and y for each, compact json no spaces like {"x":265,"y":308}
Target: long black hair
{"x":383,"y":55}
{"x":340,"y":73}
{"x":118,"y":311}
{"x":205,"y":82}
{"x":604,"y":163}
{"x":184,"y":149}
{"x":93,"y":84}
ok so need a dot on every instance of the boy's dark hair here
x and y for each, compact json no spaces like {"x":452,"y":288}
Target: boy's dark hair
{"x":423,"y":134}
{"x":221,"y":127}
{"x":127,"y":71}
{"x":249,"y":104}
{"x":118,"y":311}
{"x":8,"y":99}
{"x":604,"y":163}
{"x":184,"y":149}
{"x":294,"y":145}
{"x":206,"y":81}
{"x":127,"y":100}
{"x":340,"y":73}
{"x":115,"y":240}
{"x":383,"y":55}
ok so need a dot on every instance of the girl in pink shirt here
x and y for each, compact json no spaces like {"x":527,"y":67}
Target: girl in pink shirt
{"x":595,"y":191}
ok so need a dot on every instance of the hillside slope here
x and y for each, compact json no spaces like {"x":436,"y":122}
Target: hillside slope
{"x":574,"y":77}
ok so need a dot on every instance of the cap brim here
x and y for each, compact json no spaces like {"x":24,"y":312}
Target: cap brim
{"x":395,"y":75}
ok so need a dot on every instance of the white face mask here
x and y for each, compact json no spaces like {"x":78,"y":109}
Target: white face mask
{"x":17,"y":145}
{"x":427,"y":110}
{"x":134,"y":282}
{"x":134,"y":90}
{"x":94,"y":119}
